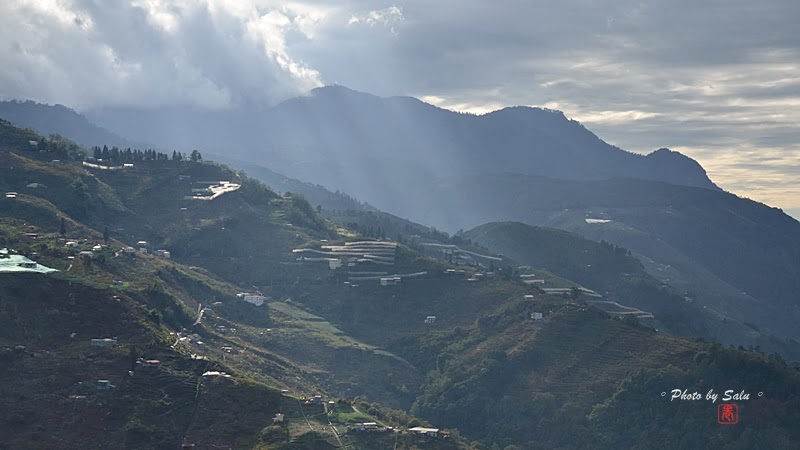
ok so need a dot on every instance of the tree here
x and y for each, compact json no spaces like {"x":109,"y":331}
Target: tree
{"x":105,"y":234}
{"x":196,"y":156}
{"x":62,"y":230}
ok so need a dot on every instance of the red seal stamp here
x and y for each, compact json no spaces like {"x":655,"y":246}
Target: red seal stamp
{"x":728,"y":414}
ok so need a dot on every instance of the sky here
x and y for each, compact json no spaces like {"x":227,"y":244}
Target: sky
{"x":718,"y":80}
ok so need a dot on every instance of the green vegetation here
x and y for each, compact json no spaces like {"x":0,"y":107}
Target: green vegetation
{"x":612,"y":271}
{"x":484,"y":369}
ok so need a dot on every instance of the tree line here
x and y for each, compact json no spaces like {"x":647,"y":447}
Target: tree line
{"x":116,"y":155}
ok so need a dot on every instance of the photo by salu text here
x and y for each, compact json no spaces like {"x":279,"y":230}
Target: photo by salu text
{"x":729,"y":395}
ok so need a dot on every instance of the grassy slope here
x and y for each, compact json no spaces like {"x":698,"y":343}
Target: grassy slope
{"x":479,"y":322}
{"x":623,"y":278}
{"x":300,"y":354}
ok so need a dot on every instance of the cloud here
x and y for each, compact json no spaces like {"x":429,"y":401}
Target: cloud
{"x":211,"y":53}
{"x":388,"y":17}
{"x":718,"y":80}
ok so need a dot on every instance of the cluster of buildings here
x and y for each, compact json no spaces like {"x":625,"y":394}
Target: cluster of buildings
{"x":350,"y":254}
{"x":456,"y":255}
{"x":430,"y":432}
{"x":359,"y":253}
{"x":530,"y":278}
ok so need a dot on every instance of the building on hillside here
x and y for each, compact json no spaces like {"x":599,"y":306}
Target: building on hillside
{"x":257,"y":300}
{"x":430,"y":319}
{"x":71,"y":244}
{"x":278,"y":418}
{"x":11,"y":195}
{"x":36,"y":185}
{"x":107,"y":342}
{"x":315,"y":400}
{"x":424,"y":431}
{"x":129,"y":250}
{"x":529,"y":297}
{"x":103,"y":385}
{"x":537,"y":316}
{"x":390,"y":281}
{"x":127,"y":166}
{"x":97,"y":248}
{"x":28,"y":265}
{"x":163,"y":253}
{"x":86,"y":254}
{"x":334,"y":263}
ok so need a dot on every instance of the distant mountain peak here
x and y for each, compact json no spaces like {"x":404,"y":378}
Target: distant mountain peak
{"x":337,"y":90}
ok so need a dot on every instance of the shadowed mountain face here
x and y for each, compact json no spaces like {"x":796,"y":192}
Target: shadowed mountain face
{"x":58,"y":119}
{"x":346,"y":140}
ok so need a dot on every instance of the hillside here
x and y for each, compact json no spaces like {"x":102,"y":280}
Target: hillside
{"x":316,"y":194}
{"x":455,"y":171}
{"x":60,"y":120}
{"x":735,"y":255}
{"x":579,"y":379}
{"x":149,"y":303}
{"x":377,"y":327}
{"x":622,"y":279}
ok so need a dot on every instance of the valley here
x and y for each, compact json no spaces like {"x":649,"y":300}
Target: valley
{"x":254,"y":319}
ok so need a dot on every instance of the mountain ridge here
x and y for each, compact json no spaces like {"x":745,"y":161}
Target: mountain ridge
{"x":486,"y":365}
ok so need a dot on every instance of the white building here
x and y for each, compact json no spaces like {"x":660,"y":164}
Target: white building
{"x":537,"y":316}
{"x":257,"y":300}
{"x":334,"y":263}
{"x":430,"y":319}
{"x":163,"y":253}
{"x":107,"y":342}
{"x":390,"y":281}
{"x":425,"y":431}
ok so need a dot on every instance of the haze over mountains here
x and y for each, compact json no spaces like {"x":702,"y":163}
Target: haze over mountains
{"x":362,"y":136}
{"x":467,"y":347}
{"x":554,"y":354}
{"x":456,"y":171}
